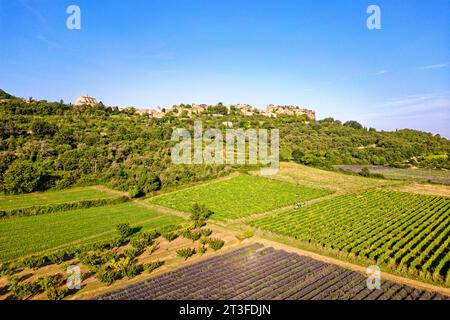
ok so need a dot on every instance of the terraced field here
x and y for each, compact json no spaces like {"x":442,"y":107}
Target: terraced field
{"x":257,"y":273}
{"x":52,"y":197}
{"x":406,"y":232}
{"x":21,"y":236}
{"x":239,"y":196}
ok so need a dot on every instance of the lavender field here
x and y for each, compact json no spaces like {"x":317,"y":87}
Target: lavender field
{"x":254,"y":272}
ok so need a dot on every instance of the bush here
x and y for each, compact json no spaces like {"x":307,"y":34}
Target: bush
{"x":132,"y":253}
{"x":35,"y":262}
{"x":23,"y":290}
{"x":199,"y":214}
{"x":206,"y":232}
{"x":124,"y":229}
{"x":48,"y":281}
{"x":143,"y":240}
{"x":153,"y":265}
{"x":170,"y":236}
{"x":216,"y":243}
{"x":244,"y":235}
{"x":132,"y":270}
{"x":90,"y":258}
{"x":201,"y":250}
{"x":56,"y":293}
{"x":7,"y":269}
{"x":107,"y":276}
{"x":194,"y":235}
{"x":61,"y":256}
{"x":364,"y":172}
{"x":186,"y":253}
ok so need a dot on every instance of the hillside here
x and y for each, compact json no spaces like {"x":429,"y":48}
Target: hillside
{"x":5,"y":95}
{"x":47,"y":144}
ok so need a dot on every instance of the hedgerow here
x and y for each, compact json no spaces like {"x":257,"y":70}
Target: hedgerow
{"x":44,"y":209}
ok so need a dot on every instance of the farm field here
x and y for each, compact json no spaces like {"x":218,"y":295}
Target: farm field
{"x":239,"y":196}
{"x":160,"y":249}
{"x":405,"y":232}
{"x":52,"y":197}
{"x":418,"y":175}
{"x":256,"y":273}
{"x":318,"y":178}
{"x":21,"y":236}
{"x":429,"y":189}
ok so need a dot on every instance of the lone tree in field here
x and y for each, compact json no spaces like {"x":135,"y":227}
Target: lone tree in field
{"x":199,"y":214}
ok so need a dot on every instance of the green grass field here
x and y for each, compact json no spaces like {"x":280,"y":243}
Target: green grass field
{"x":21,"y":236}
{"x":325,"y":179}
{"x":52,"y":197}
{"x":407,"y":232}
{"x":239,"y":196}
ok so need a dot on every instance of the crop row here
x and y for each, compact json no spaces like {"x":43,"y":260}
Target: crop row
{"x":405,"y":231}
{"x":246,"y":274}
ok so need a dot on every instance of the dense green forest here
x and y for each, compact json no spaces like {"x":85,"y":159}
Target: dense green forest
{"x":53,"y":144}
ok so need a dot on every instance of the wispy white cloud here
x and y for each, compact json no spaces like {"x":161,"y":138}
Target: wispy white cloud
{"x":380,"y":72}
{"x":418,"y":102}
{"x":435,"y":66}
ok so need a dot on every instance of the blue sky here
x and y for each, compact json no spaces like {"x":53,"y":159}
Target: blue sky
{"x":316,"y":54}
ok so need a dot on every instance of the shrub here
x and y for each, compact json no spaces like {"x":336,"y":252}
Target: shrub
{"x":48,"y":281}
{"x":216,"y":243}
{"x":23,"y":290}
{"x":144,"y":239}
{"x":153,"y":265}
{"x":364,"y":172}
{"x":124,"y":230}
{"x":7,"y":269}
{"x":201,"y":250}
{"x":35,"y":262}
{"x":170,"y":236}
{"x":186,"y":253}
{"x":199,"y":214}
{"x":56,"y":293}
{"x":107,"y":276}
{"x":90,"y":258}
{"x":132,"y":270}
{"x":194,"y":235}
{"x":154,"y":247}
{"x":132,"y":253}
{"x":60,"y":256}
{"x":244,"y":235}
{"x":206,"y":232}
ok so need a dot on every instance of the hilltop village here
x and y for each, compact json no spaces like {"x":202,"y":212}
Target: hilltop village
{"x":219,"y":110}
